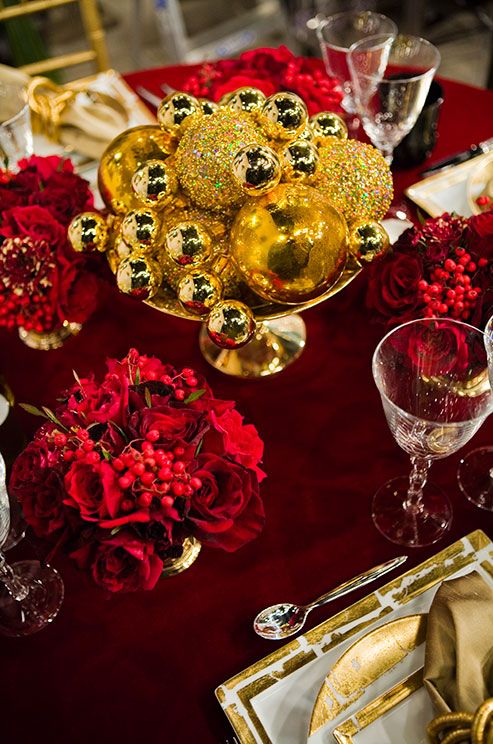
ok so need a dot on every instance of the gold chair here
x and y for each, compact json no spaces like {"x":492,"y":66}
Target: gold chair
{"x":94,"y":33}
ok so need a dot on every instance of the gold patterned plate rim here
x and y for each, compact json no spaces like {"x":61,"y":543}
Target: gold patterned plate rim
{"x":365,"y":661}
{"x":480,"y":182}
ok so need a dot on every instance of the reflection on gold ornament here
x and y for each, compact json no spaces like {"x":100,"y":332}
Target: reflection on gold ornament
{"x":188,"y":244}
{"x":174,"y":109}
{"x":139,"y":276}
{"x":140,"y":227}
{"x":246,"y":99}
{"x":289,"y":245}
{"x":155,"y":184}
{"x":208,"y":107}
{"x":257,"y":169}
{"x":300,"y":160}
{"x":326,"y":124}
{"x":367,"y":240}
{"x":230,"y":324}
{"x":284,"y":116}
{"x":199,"y":291}
{"x":88,"y":232}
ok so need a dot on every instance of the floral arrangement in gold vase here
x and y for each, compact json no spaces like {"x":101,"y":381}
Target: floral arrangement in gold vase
{"x":238,"y":214}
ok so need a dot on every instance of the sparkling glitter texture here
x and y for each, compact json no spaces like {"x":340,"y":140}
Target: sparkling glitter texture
{"x":356,"y":179}
{"x":204,"y":158}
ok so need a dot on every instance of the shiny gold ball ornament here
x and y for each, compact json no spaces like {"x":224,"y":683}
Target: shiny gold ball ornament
{"x":300,"y":160}
{"x":246,"y":99}
{"x":204,"y":158}
{"x":123,"y":156}
{"x":284,"y":116}
{"x":230,"y":324}
{"x":188,"y":244}
{"x":257,"y":169}
{"x":174,"y":109}
{"x":289,"y":245}
{"x":355,"y":178}
{"x":88,"y":232}
{"x":208,"y":107}
{"x":367,"y":240}
{"x":326,"y":124}
{"x":139,"y":276}
{"x":140,"y":227}
{"x":155,"y":183}
{"x":198,"y":291}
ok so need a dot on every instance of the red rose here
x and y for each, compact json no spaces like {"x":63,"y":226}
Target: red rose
{"x":9,"y":198}
{"x":65,"y":195}
{"x":226,"y":512}
{"x":480,"y":236}
{"x":78,"y":297}
{"x":438,"y":349}
{"x":393,"y":287}
{"x":125,"y":564}
{"x":36,"y":222}
{"x":173,"y":424}
{"x":46,"y":166}
{"x":97,"y":403}
{"x":230,"y":436}
{"x":38,"y":486}
{"x":439,"y":237}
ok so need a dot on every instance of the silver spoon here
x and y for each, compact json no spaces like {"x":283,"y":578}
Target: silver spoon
{"x":284,"y":619}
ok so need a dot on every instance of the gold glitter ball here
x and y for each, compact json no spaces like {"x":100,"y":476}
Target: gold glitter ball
{"x":88,"y":232}
{"x":205,"y":155}
{"x":355,"y":178}
{"x":230,"y":324}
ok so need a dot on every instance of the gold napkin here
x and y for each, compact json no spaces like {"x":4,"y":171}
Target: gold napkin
{"x":458,"y":671}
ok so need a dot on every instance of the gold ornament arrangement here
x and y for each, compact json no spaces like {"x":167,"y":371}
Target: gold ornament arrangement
{"x":239,"y":214}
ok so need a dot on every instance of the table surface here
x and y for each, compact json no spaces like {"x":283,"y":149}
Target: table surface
{"x":124,"y":668}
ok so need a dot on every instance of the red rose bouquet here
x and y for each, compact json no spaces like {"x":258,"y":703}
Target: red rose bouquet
{"x":269,"y":70}
{"x":43,"y":282}
{"x":443,"y":268}
{"x":126,"y":469}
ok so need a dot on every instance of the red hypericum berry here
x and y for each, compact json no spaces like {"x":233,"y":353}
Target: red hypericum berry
{"x":434,"y":289}
{"x":460,"y":251}
{"x":188,"y":491}
{"x":79,"y":453}
{"x":178,"y":488}
{"x":449,"y":264}
{"x":442,"y":307}
{"x":483,"y":200}
{"x":166,"y":379}
{"x":88,"y":445}
{"x":196,"y":483}
{"x":429,"y":312}
{"x":161,"y":458}
{"x":147,"y":448}
{"x":147,"y":478}
{"x":187,"y":372}
{"x":68,"y":455}
{"x":145,"y":499}
{"x":459,"y":269}
{"x":165,"y":474}
{"x":427,"y":298}
{"x":472,"y":295}
{"x":162,"y":487}
{"x":125,"y":481}
{"x":483,"y":262}
{"x":93,"y":457}
{"x":191,"y":381}
{"x":179,"y":451}
{"x":128,"y":459}
{"x":422,"y":284}
{"x":118,"y":464}
{"x":152,"y":435}
{"x":60,"y":439}
{"x":451,"y":294}
{"x":127,"y":505}
{"x":179,"y":466}
{"x":138,"y":468}
{"x":167,"y":501}
{"x":459,"y":306}
{"x":471,"y":267}
{"x":150,"y":462}
{"x":180,"y":394}
{"x":83,"y":434}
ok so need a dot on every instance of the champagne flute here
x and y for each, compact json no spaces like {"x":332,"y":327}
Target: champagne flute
{"x":391,"y":80}
{"x":432,"y":375}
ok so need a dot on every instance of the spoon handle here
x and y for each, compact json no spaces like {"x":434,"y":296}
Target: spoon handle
{"x":360,"y":580}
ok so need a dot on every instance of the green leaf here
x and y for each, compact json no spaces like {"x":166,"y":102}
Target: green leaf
{"x":105,"y":454}
{"x":195,"y":395}
{"x":119,"y":429}
{"x":421,"y":216}
{"x":50,"y":415}
{"x":199,"y":447}
{"x":137,"y":376}
{"x":116,"y":530}
{"x":148,"y":398}
{"x":77,"y":378}
{"x":33,"y":410}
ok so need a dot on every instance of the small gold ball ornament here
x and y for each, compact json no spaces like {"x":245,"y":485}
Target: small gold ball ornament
{"x":188,"y":244}
{"x":174,"y":109}
{"x":326,"y":124}
{"x":140,"y":227}
{"x":230,"y":324}
{"x":284,"y":116}
{"x":139,"y":276}
{"x":155,"y":183}
{"x":257,"y":169}
{"x":246,"y":99}
{"x":300,"y":160}
{"x":88,"y":232}
{"x":367,"y":240}
{"x":208,"y":107}
{"x":198,"y":291}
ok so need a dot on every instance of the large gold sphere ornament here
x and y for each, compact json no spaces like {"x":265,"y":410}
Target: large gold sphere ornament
{"x":140,"y":227}
{"x":284,"y":116}
{"x":128,"y":152}
{"x":246,"y":99}
{"x":188,"y":244}
{"x":289,"y":245}
{"x":199,"y":291}
{"x":174,"y":109}
{"x":355,"y":178}
{"x":155,"y":183}
{"x":300,"y":160}
{"x":326,"y":124}
{"x":230,"y":324}
{"x":204,"y":158}
{"x":139,"y":276}
{"x":88,"y":232}
{"x":257,"y":169}
{"x":367,"y":240}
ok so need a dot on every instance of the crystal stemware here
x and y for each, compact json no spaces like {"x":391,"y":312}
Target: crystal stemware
{"x":432,"y":375}
{"x":391,"y":80}
{"x":16,"y":139}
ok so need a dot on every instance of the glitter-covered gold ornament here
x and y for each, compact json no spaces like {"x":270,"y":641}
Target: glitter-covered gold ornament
{"x":139,"y":276}
{"x":198,"y":291}
{"x":140,"y":227}
{"x":289,"y":245}
{"x":230,"y":324}
{"x":88,"y":232}
{"x":367,"y":240}
{"x":155,"y":183}
{"x":246,"y":99}
{"x":204,"y":158}
{"x":355,"y":178}
{"x":188,"y":244}
{"x":300,"y":160}
{"x":326,"y":124}
{"x":128,"y":152}
{"x":257,"y":169}
{"x":208,"y":107}
{"x":174,"y":109}
{"x":284,"y":116}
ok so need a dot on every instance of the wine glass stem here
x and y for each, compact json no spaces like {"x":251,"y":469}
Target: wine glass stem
{"x":17,"y":589}
{"x":388,"y":154}
{"x":417,"y":481}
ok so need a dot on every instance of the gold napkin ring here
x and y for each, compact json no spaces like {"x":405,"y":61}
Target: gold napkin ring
{"x":47,"y":101}
{"x":470,"y":728}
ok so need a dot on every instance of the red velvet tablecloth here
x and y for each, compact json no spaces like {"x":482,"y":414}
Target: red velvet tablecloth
{"x":143,"y":667}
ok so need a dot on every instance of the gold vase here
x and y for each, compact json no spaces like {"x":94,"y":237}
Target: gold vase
{"x":46,"y":340}
{"x":191,"y":550}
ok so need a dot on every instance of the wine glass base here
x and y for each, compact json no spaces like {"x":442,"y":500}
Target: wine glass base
{"x":41,"y":605}
{"x":475,"y":477}
{"x":404,"y":526}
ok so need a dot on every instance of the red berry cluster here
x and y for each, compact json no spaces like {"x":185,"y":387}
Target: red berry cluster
{"x":451,"y":291}
{"x":484,"y":201}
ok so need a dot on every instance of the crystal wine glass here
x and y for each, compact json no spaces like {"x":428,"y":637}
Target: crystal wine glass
{"x":432,"y":375}
{"x":391,"y":82}
{"x":16,"y":138}
{"x":30,"y":593}
{"x":337,"y":33}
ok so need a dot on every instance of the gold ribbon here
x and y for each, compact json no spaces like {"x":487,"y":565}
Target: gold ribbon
{"x":463,"y":728}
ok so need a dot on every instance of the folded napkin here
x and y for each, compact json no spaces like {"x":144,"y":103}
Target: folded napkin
{"x":458,"y":671}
